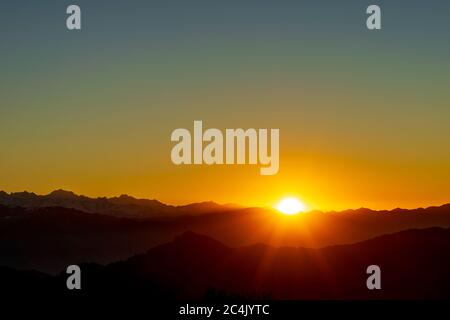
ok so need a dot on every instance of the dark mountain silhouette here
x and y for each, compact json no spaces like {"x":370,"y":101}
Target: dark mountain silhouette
{"x":48,"y":239}
{"x":122,"y":206}
{"x":414,"y":264}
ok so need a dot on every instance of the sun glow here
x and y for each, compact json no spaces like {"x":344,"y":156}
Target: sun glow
{"x":290,"y":206}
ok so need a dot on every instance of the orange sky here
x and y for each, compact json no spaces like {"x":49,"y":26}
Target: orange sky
{"x":364,"y":118}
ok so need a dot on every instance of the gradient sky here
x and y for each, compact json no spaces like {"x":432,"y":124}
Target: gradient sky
{"x":364,"y":116}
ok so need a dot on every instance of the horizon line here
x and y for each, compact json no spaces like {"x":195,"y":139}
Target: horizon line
{"x":218,"y":203}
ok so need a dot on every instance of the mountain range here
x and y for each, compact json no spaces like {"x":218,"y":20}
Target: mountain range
{"x":414,"y":265}
{"x":33,"y":236}
{"x":122,"y":206}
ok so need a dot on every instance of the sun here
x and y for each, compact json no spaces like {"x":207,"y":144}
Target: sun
{"x":290,"y":206}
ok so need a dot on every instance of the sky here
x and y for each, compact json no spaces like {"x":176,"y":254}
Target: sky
{"x":364,"y":116}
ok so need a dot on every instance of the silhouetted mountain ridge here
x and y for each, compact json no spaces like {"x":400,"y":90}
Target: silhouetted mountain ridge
{"x":47,"y":239}
{"x":414,"y":265}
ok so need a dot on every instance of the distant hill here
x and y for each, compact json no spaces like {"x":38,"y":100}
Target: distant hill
{"x":47,"y":239}
{"x":122,"y":206}
{"x":414,"y":264}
